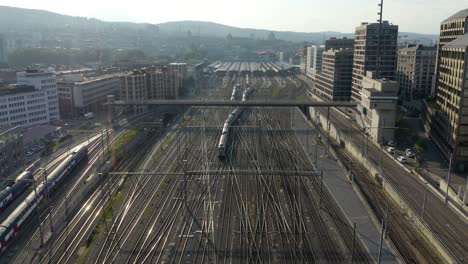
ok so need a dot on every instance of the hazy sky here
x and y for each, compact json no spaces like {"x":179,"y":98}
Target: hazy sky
{"x":296,"y":15}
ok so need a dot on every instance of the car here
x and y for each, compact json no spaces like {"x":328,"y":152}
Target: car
{"x":391,"y":149}
{"x":29,"y":153}
{"x":409,"y":153}
{"x":402,"y":159}
{"x":391,"y":143}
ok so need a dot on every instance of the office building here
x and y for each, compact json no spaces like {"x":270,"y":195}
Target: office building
{"x":43,"y":81}
{"x":333,"y":83}
{"x":379,"y":107}
{"x":415,"y":71}
{"x":449,"y":129}
{"x":339,"y":43}
{"x":314,"y":60}
{"x":367,"y":44}
{"x":23,"y":105}
{"x":79,"y":95}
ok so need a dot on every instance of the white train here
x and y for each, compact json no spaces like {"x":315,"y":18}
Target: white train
{"x":235,"y":90}
{"x":232,"y":118}
{"x":15,"y":220}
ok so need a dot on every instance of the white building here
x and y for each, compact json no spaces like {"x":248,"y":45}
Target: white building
{"x":46,"y":82}
{"x":23,"y":105}
{"x":181,"y":69}
{"x":314,"y":60}
{"x":379,"y":107}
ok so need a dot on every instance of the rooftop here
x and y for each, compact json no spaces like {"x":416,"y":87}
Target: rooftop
{"x":418,"y":47}
{"x":459,"y":14}
{"x":461,"y":42}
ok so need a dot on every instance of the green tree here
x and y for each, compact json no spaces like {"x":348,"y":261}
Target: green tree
{"x":419,"y":148}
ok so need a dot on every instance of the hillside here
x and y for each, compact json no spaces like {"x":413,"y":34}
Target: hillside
{"x":38,"y":21}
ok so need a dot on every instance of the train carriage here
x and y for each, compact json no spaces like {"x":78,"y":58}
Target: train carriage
{"x":12,"y":224}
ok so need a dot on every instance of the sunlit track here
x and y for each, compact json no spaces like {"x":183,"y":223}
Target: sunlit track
{"x":221,"y":216}
{"x":83,"y":220}
{"x":24,"y":255}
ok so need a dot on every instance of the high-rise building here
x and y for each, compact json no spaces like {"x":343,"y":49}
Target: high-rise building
{"x":450,"y":124}
{"x":303,"y":59}
{"x":333,"y":83}
{"x":314,"y":60}
{"x":43,"y":81}
{"x":79,"y":95}
{"x":370,"y":40}
{"x":339,"y":43}
{"x":453,"y":27}
{"x":415,"y":70}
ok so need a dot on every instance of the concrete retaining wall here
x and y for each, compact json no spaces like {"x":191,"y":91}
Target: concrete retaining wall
{"x":356,"y":152}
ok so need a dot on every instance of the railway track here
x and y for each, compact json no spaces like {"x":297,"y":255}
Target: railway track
{"x":221,"y":216}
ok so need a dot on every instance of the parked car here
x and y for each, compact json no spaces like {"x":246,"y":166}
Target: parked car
{"x":391,"y":149}
{"x":409,"y":153}
{"x":402,"y":159}
{"x":391,"y":143}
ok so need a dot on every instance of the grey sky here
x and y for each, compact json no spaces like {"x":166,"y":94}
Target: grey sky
{"x":296,"y":15}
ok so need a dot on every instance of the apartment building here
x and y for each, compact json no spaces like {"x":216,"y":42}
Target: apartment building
{"x":133,"y":87}
{"x":333,"y":83}
{"x":415,"y":71}
{"x":373,"y":40}
{"x":449,"y":129}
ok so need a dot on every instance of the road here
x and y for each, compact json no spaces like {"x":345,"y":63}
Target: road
{"x":447,"y":225}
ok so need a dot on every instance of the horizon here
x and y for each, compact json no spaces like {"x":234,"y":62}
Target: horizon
{"x":427,"y":24}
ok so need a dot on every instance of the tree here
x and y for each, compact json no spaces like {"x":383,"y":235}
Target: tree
{"x":419,"y":148}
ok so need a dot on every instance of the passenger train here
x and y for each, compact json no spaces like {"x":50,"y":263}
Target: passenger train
{"x":15,"y":220}
{"x":232,"y":118}
{"x":14,"y":189}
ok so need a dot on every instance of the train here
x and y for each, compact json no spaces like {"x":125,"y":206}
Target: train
{"x":234,"y":92}
{"x":232,"y":118}
{"x":14,"y":189}
{"x":15,"y":220}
